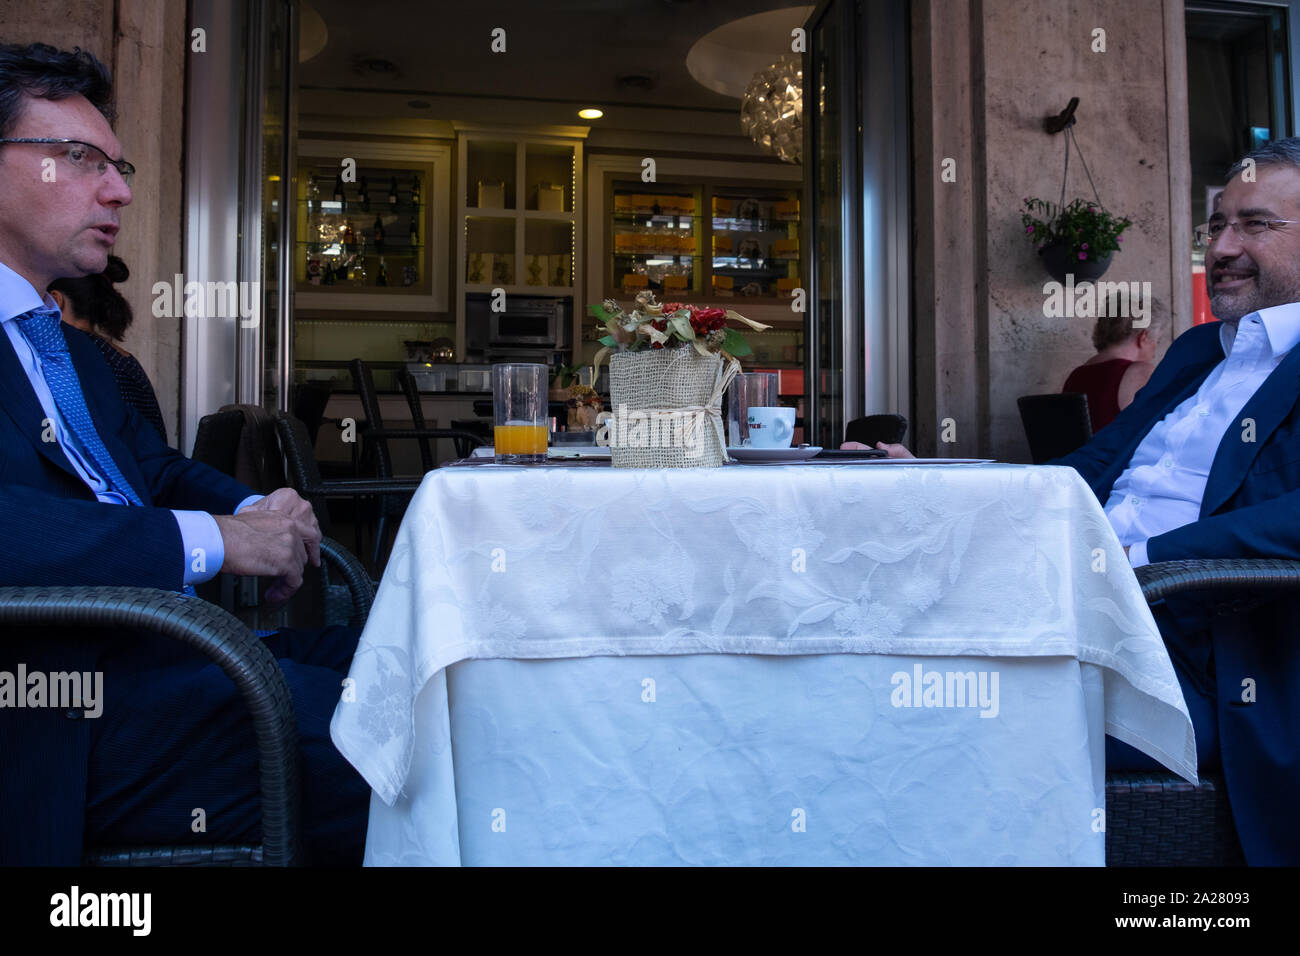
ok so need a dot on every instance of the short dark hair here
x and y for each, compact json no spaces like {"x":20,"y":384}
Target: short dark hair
{"x":1285,"y":151}
{"x":93,"y":298}
{"x":41,"y":71}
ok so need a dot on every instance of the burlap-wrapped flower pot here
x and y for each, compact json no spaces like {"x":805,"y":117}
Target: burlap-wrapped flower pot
{"x":666,"y":408}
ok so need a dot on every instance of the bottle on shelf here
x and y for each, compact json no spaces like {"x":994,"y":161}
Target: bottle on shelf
{"x":338,"y":187}
{"x":415,"y":191}
{"x":364,"y":190}
{"x":377,"y":233}
{"x":392,"y":192}
{"x":415,"y":232}
{"x":381,"y":277}
{"x":349,"y":237}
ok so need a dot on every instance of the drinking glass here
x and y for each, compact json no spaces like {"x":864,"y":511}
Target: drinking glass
{"x":748,"y":390}
{"x":520,"y":413}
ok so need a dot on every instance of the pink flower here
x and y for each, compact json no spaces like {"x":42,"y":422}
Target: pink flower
{"x":1030,"y":230}
{"x":1119,"y":238}
{"x":1083,"y":255}
{"x":1084,"y":246}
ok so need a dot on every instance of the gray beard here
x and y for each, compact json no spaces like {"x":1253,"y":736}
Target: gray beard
{"x":1264,"y":293}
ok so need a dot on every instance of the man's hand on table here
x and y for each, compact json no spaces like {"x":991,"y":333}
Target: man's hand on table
{"x":893,"y":451}
{"x":273,"y":537}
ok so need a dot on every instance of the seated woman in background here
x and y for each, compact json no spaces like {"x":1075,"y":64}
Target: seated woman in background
{"x":91,"y":304}
{"x":1124,"y":361}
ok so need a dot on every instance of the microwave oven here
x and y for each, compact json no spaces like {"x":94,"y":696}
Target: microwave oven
{"x":526,"y":322}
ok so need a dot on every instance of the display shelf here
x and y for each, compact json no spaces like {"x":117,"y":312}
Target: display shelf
{"x":519,"y":213}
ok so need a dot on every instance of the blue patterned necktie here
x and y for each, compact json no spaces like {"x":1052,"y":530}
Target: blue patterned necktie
{"x":44,"y":330}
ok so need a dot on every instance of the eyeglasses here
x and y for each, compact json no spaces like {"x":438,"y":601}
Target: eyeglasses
{"x":85,"y":157}
{"x":1206,"y":234}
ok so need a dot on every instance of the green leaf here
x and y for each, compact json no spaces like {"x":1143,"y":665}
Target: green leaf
{"x":681,"y":322}
{"x":608,"y":340}
{"x":599,"y":312}
{"x":735,"y":344}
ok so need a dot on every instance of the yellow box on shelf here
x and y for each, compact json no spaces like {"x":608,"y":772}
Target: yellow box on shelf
{"x":723,"y":246}
{"x":786,"y":287}
{"x":786,"y":211}
{"x":785,"y":248}
{"x":675,"y":283}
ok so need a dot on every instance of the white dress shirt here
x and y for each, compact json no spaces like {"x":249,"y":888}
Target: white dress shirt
{"x":198,"y":528}
{"x":1164,"y":483}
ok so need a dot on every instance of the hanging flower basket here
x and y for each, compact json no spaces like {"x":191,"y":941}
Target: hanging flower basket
{"x":1060,"y":261}
{"x":1078,"y":239}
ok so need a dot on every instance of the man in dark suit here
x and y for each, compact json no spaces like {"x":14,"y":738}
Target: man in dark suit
{"x":1205,"y":463}
{"x":89,"y":495}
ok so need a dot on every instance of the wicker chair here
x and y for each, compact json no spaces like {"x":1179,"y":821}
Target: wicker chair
{"x":1158,"y":819}
{"x":246,"y":661}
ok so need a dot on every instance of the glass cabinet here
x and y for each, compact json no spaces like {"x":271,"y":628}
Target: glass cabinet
{"x":364,"y":236}
{"x":703,"y":242}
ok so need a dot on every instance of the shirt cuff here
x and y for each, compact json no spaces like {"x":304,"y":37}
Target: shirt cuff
{"x":247,"y":501}
{"x":1137,"y":553}
{"x":204,"y":549}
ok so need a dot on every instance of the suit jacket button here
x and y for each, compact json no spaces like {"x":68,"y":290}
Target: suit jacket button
{"x":72,"y":714}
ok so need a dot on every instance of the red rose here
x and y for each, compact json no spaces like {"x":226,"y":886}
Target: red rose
{"x":672,"y":307}
{"x":704,"y":315}
{"x":656,"y":345}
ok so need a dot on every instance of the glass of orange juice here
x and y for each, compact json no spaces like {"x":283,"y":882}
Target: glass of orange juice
{"x":519,"y":408}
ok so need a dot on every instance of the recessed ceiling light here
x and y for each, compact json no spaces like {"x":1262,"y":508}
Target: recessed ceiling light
{"x":591,"y":113}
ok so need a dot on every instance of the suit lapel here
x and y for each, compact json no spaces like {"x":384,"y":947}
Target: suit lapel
{"x":21,"y":404}
{"x":1269,"y":406}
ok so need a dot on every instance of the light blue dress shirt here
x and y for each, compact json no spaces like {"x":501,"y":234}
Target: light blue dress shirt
{"x":198,"y":528}
{"x":1165,"y":481}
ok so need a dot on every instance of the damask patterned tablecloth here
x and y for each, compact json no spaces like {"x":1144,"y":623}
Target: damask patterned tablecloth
{"x":804,"y":664}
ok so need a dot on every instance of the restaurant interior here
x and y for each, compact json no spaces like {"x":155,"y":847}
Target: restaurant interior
{"x":477,"y":169}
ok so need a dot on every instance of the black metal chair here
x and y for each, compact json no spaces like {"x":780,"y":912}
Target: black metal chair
{"x":305,"y":477}
{"x":1055,"y":425}
{"x":376,"y":456}
{"x":1158,"y":819}
{"x":889,"y":429}
{"x":464,"y":440}
{"x":243,"y":657}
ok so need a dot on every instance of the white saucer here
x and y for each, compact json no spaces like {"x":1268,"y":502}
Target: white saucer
{"x":774,"y":454}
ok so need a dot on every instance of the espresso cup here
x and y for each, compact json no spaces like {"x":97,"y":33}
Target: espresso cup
{"x":770,"y":427}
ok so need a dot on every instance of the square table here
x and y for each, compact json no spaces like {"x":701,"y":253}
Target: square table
{"x":842,"y":663}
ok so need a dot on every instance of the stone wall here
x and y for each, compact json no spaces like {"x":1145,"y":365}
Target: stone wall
{"x":143,"y":43}
{"x":985,"y":75}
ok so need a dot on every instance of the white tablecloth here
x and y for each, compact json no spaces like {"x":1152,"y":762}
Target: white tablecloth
{"x":854,"y":575}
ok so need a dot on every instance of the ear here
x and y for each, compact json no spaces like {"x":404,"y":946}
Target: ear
{"x":60,"y":300}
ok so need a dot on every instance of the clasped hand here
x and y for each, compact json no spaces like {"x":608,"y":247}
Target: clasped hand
{"x":273,"y":537}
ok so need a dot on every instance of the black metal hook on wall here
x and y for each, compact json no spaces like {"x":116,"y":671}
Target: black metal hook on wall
{"x":1062,"y":120}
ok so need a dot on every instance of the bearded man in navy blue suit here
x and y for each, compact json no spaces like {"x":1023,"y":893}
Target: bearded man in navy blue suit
{"x":1205,"y":463}
{"x":90,"y":495}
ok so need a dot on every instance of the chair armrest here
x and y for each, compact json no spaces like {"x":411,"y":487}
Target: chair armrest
{"x":353,"y":573}
{"x":221,"y":638}
{"x":1164,"y":578}
{"x":340,"y":487}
